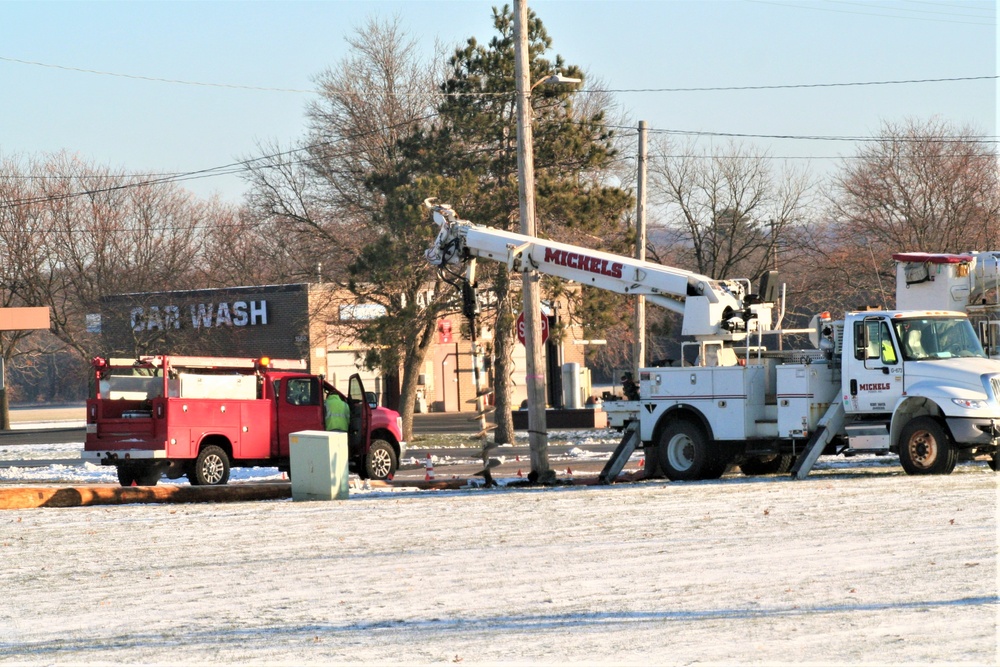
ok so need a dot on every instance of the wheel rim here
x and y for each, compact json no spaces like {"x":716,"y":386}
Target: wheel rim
{"x":380,"y":463}
{"x":923,"y":449}
{"x":212,"y":469}
{"x":680,"y":452}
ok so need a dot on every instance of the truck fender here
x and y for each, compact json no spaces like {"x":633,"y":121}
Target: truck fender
{"x":681,"y":411}
{"x":907,"y":409}
{"x":216,"y":439}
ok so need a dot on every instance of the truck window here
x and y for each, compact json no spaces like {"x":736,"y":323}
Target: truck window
{"x":861,"y":341}
{"x":302,"y":391}
{"x":937,"y":338}
{"x":887,"y":349}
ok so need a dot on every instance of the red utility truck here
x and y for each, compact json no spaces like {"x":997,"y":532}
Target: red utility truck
{"x":199,"y":416}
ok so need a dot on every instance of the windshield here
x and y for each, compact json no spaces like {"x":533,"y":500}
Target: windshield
{"x":937,"y":338}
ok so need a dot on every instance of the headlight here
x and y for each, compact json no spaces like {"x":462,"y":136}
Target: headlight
{"x":969,"y":403}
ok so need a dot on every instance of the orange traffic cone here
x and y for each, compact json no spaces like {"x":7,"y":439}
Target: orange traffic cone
{"x":519,"y":473}
{"x":428,"y":469}
{"x":568,"y":470}
{"x":642,"y":462}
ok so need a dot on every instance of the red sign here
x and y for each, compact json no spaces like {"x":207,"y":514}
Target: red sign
{"x":520,"y":328}
{"x":444,"y":331}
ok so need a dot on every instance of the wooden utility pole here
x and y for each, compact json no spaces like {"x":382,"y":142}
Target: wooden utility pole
{"x":639,"y":346}
{"x":534,"y":357}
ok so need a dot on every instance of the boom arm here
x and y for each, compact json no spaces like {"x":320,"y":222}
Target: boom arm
{"x":710,"y":308}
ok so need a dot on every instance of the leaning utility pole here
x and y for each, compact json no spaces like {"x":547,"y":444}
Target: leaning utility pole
{"x":535,"y":360}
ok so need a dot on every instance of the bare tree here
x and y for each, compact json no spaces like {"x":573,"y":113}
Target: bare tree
{"x":26,"y":269}
{"x":924,"y":186}
{"x":725,"y":212}
{"x":920,"y":186}
{"x":111,"y":233}
{"x":318,"y":196}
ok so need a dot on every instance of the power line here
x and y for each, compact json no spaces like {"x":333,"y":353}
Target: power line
{"x":693,"y":89}
{"x":807,"y":137}
{"x":893,"y":82}
{"x":153,"y":78}
{"x":222,"y":170}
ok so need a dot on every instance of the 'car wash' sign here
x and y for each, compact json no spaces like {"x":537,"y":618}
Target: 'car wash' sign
{"x":199,"y":316}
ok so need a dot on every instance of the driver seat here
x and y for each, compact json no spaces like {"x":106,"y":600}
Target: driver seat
{"x":913,"y":342}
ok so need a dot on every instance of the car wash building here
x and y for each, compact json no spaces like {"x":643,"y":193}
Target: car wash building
{"x":318,"y":323}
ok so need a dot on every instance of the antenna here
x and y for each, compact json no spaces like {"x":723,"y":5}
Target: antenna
{"x":877,"y":276}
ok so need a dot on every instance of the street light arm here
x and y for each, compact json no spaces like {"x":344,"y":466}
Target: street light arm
{"x":555,"y":79}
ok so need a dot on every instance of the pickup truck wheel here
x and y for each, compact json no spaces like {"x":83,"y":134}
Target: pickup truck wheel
{"x":147,"y":475}
{"x":774,"y":464}
{"x":925,"y":448}
{"x":993,"y":462}
{"x":683,"y":451}
{"x":210,"y":468}
{"x":126,"y":474}
{"x":381,"y":460}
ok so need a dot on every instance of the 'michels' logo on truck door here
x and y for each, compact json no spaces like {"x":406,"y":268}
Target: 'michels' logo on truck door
{"x":875,"y":386}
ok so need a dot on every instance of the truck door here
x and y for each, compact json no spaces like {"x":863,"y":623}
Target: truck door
{"x":298,"y":408}
{"x":874,"y":381}
{"x":359,"y":432}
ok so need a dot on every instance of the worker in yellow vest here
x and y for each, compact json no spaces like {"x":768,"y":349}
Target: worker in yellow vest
{"x":338,"y":413}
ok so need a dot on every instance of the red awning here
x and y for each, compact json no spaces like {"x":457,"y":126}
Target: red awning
{"x":931,"y":258}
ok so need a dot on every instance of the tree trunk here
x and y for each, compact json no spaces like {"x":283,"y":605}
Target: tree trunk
{"x":413,"y":363}
{"x":503,"y":362}
{"x":4,"y":410}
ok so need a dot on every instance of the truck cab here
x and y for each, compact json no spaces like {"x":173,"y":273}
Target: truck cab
{"x":918,"y":383}
{"x":373,"y":436}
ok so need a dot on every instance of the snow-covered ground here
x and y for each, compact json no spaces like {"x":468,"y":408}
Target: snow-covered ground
{"x":857,"y":564}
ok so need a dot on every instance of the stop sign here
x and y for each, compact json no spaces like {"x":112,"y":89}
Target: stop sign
{"x":520,"y":328}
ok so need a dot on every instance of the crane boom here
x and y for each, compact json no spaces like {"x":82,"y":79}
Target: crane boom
{"x":711,"y":308}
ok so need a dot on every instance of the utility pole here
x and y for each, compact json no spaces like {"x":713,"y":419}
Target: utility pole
{"x":639,"y":349}
{"x":534,"y":358}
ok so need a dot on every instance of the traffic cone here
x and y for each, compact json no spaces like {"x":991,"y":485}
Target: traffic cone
{"x":428,"y":469}
{"x":517,"y":458}
{"x":642,"y":462}
{"x":519,"y":473}
{"x":569,"y":471}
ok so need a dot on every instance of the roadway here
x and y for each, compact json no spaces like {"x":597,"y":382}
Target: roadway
{"x":63,"y":425}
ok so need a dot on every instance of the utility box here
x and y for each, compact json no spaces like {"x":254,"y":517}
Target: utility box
{"x":217,"y":386}
{"x":318,"y":462}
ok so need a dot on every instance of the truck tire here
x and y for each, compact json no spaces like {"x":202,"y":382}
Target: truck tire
{"x":683,"y":451}
{"x":146,"y":475}
{"x":774,"y":464}
{"x":925,"y":448}
{"x":381,"y":461}
{"x":993,"y":462}
{"x":211,"y":468}
{"x":126,"y":474}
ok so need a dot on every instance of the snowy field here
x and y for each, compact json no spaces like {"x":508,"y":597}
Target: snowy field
{"x":857,"y":564}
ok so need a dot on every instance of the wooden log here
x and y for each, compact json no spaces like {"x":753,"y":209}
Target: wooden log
{"x":27,"y":497}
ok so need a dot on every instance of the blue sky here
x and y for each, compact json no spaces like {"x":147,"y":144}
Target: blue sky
{"x":141,"y":125}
